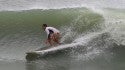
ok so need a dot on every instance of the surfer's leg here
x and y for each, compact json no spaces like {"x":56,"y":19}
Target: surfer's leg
{"x":50,"y":42}
{"x":56,"y":38}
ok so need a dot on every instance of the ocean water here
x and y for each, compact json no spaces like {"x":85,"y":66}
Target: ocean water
{"x":97,"y":27}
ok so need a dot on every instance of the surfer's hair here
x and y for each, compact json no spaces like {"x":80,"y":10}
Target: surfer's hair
{"x":45,"y":25}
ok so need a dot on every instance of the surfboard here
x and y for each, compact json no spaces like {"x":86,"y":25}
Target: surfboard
{"x":42,"y":52}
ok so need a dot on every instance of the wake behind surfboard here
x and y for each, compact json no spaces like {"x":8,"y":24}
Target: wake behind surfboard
{"x":32,"y":55}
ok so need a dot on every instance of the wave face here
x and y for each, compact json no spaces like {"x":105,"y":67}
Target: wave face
{"x":23,"y":30}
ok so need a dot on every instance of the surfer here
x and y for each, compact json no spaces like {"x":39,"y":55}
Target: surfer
{"x":53,"y":35}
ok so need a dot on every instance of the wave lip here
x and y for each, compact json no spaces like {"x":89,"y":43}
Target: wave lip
{"x":17,"y":5}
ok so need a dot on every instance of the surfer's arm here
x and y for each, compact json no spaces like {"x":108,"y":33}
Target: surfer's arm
{"x":47,"y":40}
{"x":47,"y":31}
{"x":48,"y":36}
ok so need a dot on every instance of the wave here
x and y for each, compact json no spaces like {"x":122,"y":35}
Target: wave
{"x":21,"y":31}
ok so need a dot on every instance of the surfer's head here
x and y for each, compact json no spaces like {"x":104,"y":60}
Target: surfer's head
{"x":44,"y":26}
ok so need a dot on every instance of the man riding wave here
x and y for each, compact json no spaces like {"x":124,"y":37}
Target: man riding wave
{"x":53,"y":34}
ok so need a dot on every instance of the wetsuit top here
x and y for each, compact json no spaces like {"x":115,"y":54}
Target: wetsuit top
{"x":51,"y":30}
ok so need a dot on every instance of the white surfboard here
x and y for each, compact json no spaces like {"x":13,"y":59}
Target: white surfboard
{"x":49,"y":50}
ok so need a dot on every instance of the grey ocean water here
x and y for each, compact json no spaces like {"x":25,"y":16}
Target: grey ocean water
{"x":96,"y":26}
